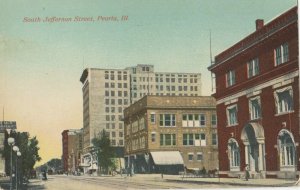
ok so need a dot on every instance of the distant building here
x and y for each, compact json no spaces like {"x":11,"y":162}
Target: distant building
{"x":107,"y":92}
{"x":167,"y":133}
{"x":257,"y":93}
{"x":72,"y":149}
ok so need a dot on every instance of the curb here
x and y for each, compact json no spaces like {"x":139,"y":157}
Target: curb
{"x":231,"y":183}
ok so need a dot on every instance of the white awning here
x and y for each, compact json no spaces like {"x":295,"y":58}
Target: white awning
{"x":167,"y":158}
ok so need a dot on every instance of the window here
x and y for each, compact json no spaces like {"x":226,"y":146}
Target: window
{"x":112,"y":109}
{"x":214,"y":120}
{"x":202,"y":120}
{"x":120,"y":134}
{"x":202,"y":139}
{"x":113,"y":134}
{"x":112,"y":101}
{"x":120,"y":101}
{"x":119,"y":77}
{"x":120,"y":125}
{"x":152,"y":118}
{"x":167,"y":139}
{"x":106,"y":93}
{"x":120,"y":109}
{"x":232,"y":115}
{"x":287,"y":149}
{"x":106,"y":85}
{"x":281,"y":54}
{"x":153,"y":137}
{"x":199,"y":156}
{"x":284,"y":100}
{"x":188,"y":139}
{"x":214,"y":140}
{"x":107,"y":125}
{"x":112,"y":85}
{"x":167,"y":120}
{"x":193,"y":120}
{"x":125,"y":94}
{"x":230,"y":78}
{"x":124,"y":77}
{"x":234,"y":154}
{"x":107,"y":118}
{"x":106,"y":101}
{"x":191,"y":156}
{"x":120,"y":93}
{"x":253,"y":68}
{"x":121,"y":142}
{"x":107,"y":109}
{"x":112,"y":93}
{"x":255,"y":108}
{"x":106,"y":76}
{"x":125,"y":85}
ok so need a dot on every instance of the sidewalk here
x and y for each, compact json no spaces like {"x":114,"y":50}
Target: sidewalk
{"x":223,"y":181}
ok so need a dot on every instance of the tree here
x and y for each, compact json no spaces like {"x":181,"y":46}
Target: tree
{"x":103,"y":150}
{"x":28,"y":148}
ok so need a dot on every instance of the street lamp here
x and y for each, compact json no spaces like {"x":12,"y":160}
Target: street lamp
{"x":11,"y":142}
{"x":16,"y":149}
{"x":18,"y":155}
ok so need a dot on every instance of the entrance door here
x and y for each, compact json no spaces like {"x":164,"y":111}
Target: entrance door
{"x":253,"y":157}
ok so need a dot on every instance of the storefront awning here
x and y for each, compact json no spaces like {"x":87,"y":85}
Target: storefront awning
{"x":167,"y":158}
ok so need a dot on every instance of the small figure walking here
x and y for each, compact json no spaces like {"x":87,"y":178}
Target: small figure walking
{"x":247,"y":175}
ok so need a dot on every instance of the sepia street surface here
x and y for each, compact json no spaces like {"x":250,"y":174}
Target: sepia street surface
{"x":152,"y":181}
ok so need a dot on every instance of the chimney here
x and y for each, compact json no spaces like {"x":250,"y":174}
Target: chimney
{"x":259,"y":24}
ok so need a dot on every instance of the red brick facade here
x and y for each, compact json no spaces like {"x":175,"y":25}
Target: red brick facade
{"x":266,"y":142}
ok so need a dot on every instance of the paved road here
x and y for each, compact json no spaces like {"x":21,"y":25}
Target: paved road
{"x":110,"y":183}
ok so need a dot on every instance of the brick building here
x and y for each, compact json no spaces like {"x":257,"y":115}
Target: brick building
{"x":167,"y":133}
{"x":72,"y":149}
{"x":257,"y":93}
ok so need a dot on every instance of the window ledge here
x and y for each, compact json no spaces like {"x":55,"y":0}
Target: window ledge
{"x":256,"y":119}
{"x":233,"y":125}
{"x":284,"y":113}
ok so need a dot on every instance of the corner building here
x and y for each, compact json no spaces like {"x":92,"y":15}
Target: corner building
{"x":257,"y":93}
{"x":165,"y":134}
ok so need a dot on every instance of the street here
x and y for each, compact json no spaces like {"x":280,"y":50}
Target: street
{"x":117,"y":182}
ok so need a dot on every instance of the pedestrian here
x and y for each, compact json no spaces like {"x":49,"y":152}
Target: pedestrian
{"x":247,"y":175}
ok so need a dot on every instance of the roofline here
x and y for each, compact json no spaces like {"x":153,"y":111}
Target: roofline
{"x":258,"y":39}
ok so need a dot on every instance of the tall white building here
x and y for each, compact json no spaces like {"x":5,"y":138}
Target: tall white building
{"x":107,"y":92}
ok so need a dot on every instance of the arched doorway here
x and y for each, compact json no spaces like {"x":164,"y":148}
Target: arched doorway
{"x":254,"y":140}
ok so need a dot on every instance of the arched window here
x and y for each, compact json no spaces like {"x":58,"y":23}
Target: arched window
{"x":286,"y":148}
{"x":234,"y":154}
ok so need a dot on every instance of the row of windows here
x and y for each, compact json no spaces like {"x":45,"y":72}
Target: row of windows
{"x":198,"y":156}
{"x":113,"y":85}
{"x":286,"y":150}
{"x":119,"y":93}
{"x":281,"y":55}
{"x":179,"y":88}
{"x":113,"y":126}
{"x":174,"y":75}
{"x":179,"y":80}
{"x":189,"y":139}
{"x":188,"y":120}
{"x":283,"y":104}
{"x":120,"y":143}
{"x":113,"y":101}
{"x":112,"y":77}
{"x":113,"y":117}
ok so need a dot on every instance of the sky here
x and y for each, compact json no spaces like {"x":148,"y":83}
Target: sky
{"x":41,"y":62}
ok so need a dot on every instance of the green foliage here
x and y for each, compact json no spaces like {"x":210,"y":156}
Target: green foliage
{"x":104,"y":152}
{"x":28,"y":148}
